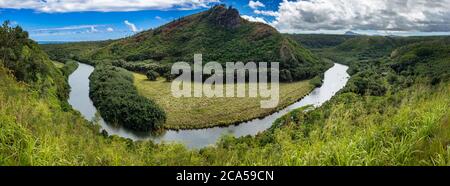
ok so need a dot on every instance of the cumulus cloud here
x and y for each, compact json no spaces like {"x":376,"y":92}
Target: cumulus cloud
{"x":254,"y":19}
{"x":255,"y":4}
{"x":109,"y":29}
{"x":131,"y":26}
{"x":103,"y":5}
{"x":266,"y":13}
{"x":389,"y":15}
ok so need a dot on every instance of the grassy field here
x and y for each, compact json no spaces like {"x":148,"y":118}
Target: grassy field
{"x":204,"y":112}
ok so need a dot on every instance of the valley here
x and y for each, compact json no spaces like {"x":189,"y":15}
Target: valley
{"x":335,"y":79}
{"x":378,"y":100}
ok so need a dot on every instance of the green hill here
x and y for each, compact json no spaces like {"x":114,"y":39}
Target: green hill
{"x":406,"y":125}
{"x":29,"y":64}
{"x":346,"y":49}
{"x":317,"y":41}
{"x":220,"y":34}
{"x":72,"y":50}
{"x":428,"y":59}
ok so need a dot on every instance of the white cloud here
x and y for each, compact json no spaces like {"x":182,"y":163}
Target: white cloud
{"x":73,"y":27}
{"x":266,"y":13}
{"x":254,"y":19}
{"x":103,"y":5}
{"x":158,"y":18}
{"x":93,"y":29}
{"x":392,"y":15}
{"x":131,"y":26}
{"x":255,"y":4}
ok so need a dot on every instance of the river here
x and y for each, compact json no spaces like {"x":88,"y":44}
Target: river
{"x":335,"y":79}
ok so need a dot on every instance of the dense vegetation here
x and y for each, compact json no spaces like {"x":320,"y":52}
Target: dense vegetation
{"x":73,"y":50}
{"x":30,"y":64}
{"x":363,"y":48}
{"x":220,"y":34}
{"x":152,"y":75}
{"x":113,"y":93}
{"x":69,"y":67}
{"x":35,"y":131}
{"x":409,"y":56}
{"x":407,"y":125}
{"x":383,"y":117}
{"x":427,"y":59}
{"x":314,"y":41}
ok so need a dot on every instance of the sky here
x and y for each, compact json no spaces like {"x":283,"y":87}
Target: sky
{"x":83,"y":20}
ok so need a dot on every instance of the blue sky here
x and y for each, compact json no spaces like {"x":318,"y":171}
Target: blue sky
{"x":81,"y":20}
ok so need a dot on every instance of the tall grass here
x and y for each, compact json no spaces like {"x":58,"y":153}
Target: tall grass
{"x":409,"y":128}
{"x":405,"y":128}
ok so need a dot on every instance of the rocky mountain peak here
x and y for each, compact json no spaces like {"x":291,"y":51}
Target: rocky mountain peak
{"x":225,"y":17}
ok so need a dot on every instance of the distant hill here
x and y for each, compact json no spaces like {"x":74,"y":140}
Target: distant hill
{"x":427,"y":58}
{"x":72,"y":50}
{"x":362,"y":48}
{"x":351,"y":33}
{"x":373,"y":46}
{"x":220,"y":34}
{"x":314,"y":41}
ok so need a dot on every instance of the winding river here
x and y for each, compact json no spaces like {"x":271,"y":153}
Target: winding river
{"x":335,"y":79}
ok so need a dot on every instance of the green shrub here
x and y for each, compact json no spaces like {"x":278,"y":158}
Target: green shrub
{"x":114,"y":94}
{"x":316,"y":81}
{"x":29,"y":63}
{"x":69,"y":67}
{"x":152,"y":75}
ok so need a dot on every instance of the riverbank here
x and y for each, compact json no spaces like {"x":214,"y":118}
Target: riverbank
{"x":335,"y":79}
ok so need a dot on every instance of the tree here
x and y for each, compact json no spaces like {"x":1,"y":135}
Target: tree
{"x":285,"y":75}
{"x":114,"y":94}
{"x":152,"y":75}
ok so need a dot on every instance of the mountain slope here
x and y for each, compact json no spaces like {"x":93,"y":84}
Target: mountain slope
{"x":408,"y":126}
{"x":29,"y":64}
{"x":319,"y":41}
{"x":220,"y":34}
{"x":427,"y":59}
{"x":365,"y":48}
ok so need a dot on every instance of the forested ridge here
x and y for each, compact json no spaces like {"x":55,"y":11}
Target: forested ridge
{"x":220,"y":34}
{"x":404,"y":124}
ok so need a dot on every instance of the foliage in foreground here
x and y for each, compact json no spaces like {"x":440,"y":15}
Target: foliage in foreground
{"x":406,"y":125}
{"x":407,"y":128}
{"x":384,"y":116}
{"x":113,"y":93}
{"x":34,"y":131}
{"x":30,"y":64}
